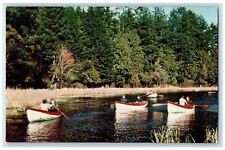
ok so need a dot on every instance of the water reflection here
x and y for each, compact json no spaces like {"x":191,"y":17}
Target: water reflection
{"x":43,"y":131}
{"x":158,"y":107}
{"x":130,"y":126}
{"x":157,"y":116}
{"x":157,"y":119}
{"x":180,"y":120}
{"x":123,"y":116}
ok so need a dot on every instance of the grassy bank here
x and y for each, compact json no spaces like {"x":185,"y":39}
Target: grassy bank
{"x":30,"y":97}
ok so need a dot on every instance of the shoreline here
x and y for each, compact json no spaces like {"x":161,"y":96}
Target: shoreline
{"x":30,"y":97}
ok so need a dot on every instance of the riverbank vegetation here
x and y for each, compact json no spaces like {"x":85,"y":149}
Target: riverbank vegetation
{"x":211,"y":135}
{"x":167,"y":135}
{"x":30,"y":97}
{"x":58,"y":47}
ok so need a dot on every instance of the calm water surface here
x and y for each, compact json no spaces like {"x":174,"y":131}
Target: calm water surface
{"x":96,"y":120}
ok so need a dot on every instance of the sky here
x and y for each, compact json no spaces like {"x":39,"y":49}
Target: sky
{"x":209,"y":13}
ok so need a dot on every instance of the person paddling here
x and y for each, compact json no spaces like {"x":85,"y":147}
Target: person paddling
{"x":123,"y":99}
{"x":138,"y":99}
{"x":45,"y":105}
{"x":48,"y":106}
{"x":182,"y":101}
{"x":53,"y":106}
{"x":149,"y":92}
{"x":189,"y":102}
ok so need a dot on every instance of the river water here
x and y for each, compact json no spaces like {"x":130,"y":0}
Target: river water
{"x":96,"y":120}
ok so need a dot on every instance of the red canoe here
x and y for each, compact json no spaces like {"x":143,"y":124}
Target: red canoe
{"x":173,"y":107}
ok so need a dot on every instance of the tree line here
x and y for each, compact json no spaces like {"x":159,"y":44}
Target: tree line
{"x":100,"y":46}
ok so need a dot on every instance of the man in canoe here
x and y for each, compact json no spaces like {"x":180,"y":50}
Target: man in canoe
{"x":183,"y":101}
{"x":138,"y":99}
{"x":53,"y":106}
{"x":123,"y":99}
{"x":48,"y":107}
{"x":149,"y":92}
{"x":45,"y":105}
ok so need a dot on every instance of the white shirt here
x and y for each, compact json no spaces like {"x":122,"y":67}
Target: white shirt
{"x":182,"y":101}
{"x":45,"y":106}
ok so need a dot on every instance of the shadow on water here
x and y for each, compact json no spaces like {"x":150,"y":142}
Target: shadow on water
{"x":96,"y":120}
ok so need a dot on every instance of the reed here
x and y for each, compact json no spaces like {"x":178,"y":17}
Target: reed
{"x":166,"y":135}
{"x":30,"y":97}
{"x":211,"y":135}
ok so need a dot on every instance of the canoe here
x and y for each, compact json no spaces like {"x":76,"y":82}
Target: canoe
{"x":34,"y":115}
{"x":131,"y":105}
{"x":211,"y":92}
{"x":153,"y":94}
{"x":173,"y":107}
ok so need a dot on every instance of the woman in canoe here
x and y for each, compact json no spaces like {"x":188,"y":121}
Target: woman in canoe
{"x":189,"y":102}
{"x":47,"y":106}
{"x":183,"y":101}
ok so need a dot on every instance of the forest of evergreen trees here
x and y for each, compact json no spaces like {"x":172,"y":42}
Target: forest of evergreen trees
{"x":101,"y":46}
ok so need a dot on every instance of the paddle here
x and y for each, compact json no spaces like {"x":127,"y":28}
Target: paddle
{"x":202,"y":106}
{"x":62,"y":113}
{"x":143,"y":95}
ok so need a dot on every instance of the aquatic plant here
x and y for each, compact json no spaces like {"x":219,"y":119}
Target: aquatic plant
{"x":167,"y":135}
{"x":211,"y":135}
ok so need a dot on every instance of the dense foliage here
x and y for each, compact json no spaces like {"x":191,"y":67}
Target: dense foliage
{"x":101,"y":46}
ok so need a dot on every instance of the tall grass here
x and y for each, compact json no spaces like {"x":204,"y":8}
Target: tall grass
{"x":211,"y":135}
{"x":166,"y":135}
{"x":30,"y":97}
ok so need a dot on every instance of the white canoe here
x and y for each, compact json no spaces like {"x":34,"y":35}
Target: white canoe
{"x":173,"y":107}
{"x":131,"y":105}
{"x":153,"y":94}
{"x":34,"y":115}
